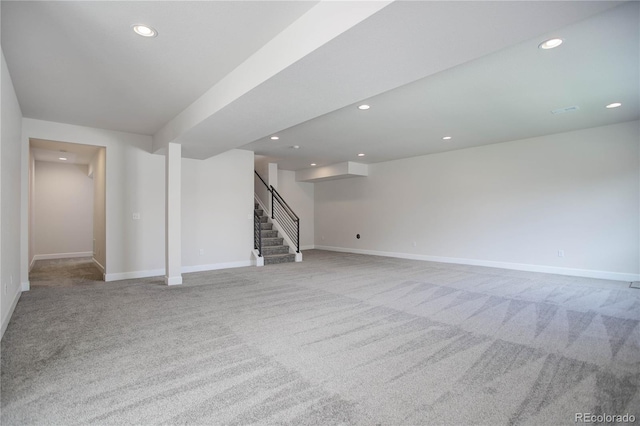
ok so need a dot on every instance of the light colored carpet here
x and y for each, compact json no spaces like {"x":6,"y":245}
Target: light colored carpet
{"x":336,"y":339}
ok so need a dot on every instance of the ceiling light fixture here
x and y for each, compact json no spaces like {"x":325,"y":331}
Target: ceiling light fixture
{"x":144,"y":30}
{"x":275,"y":138}
{"x":361,"y":154}
{"x":550,"y":44}
{"x":62,"y":158}
{"x":363,"y":107}
{"x":296,"y":147}
{"x":614,"y":105}
{"x":313,"y":164}
{"x":446,"y":138}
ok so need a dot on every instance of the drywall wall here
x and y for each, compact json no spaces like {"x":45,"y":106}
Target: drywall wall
{"x":31,"y":208}
{"x":217,"y":211}
{"x":513,"y":204}
{"x":63,"y":210}
{"x":299,"y":196}
{"x":98,"y":173}
{"x":10,"y":221}
{"x":134,"y":184}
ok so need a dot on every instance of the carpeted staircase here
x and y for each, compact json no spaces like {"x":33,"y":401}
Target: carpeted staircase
{"x":273,"y":248}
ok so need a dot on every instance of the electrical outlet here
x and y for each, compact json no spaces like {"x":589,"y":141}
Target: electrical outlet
{"x":201,"y":252}
{"x":136,"y":216}
{"x":560,"y":253}
{"x":415,"y":244}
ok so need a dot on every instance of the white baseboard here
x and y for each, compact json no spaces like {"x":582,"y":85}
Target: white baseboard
{"x":587,"y":273}
{"x":185,"y":270}
{"x":117,"y":276}
{"x":26,"y":286}
{"x":7,"y":316}
{"x":173,"y":280}
{"x":214,"y":266}
{"x":33,"y":262}
{"x":99,"y":265}
{"x":61,"y":255}
{"x":311,"y":247}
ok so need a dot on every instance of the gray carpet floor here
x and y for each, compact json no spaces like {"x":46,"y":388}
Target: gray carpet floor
{"x":336,"y":339}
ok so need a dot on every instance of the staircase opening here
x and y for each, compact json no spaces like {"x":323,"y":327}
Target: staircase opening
{"x":276,"y":232}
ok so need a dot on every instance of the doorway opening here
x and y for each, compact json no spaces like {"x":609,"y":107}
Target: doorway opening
{"x":67,"y":226}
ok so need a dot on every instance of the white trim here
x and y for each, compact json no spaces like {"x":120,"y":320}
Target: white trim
{"x":310,"y":247}
{"x":102,"y":268}
{"x":587,"y":273}
{"x":133,"y":275}
{"x":98,"y":265}
{"x":257,"y":259}
{"x":9,"y":314}
{"x":214,"y":266}
{"x":184,"y":270}
{"x":177,"y":280}
{"x":62,"y":255}
{"x":32,"y":263}
{"x":26,"y":286}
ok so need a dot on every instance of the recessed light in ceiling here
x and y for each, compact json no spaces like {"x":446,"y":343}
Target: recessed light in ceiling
{"x":296,"y":147}
{"x":361,"y":154}
{"x":614,"y":105}
{"x":62,"y":158}
{"x":144,"y":30}
{"x":363,"y":106}
{"x":275,"y":138}
{"x":446,"y":138}
{"x":550,"y":44}
{"x":313,"y":164}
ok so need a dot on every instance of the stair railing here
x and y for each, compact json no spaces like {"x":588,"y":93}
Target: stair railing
{"x":257,"y":233}
{"x":283,"y":214}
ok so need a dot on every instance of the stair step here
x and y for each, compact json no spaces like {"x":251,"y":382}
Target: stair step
{"x":267,"y":250}
{"x":264,"y":219}
{"x":269,"y":233}
{"x":266,"y":226}
{"x":272,"y":241}
{"x":279,"y":258}
{"x":256,"y":206}
{"x":259,"y":211}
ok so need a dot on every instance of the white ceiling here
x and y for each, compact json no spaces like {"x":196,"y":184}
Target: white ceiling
{"x":52,"y":151}
{"x":468,"y":69}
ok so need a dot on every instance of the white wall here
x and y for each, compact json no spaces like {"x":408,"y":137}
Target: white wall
{"x":217,"y":211}
{"x":10,"y":221}
{"x":300,"y":197}
{"x":63,"y":210}
{"x":511,"y":204}
{"x":98,"y":173}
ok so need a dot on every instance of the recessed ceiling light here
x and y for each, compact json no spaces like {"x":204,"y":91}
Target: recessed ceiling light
{"x":275,"y":138}
{"x":550,"y":44}
{"x":144,"y":30}
{"x":446,"y":138}
{"x":63,"y":158}
{"x":364,"y":107}
{"x":296,"y":147}
{"x":361,"y":155}
{"x":313,"y":164}
{"x":614,"y":105}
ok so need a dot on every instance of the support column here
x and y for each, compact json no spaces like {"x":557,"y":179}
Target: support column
{"x":173,"y":205}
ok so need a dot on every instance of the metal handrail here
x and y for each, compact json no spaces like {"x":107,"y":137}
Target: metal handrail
{"x":257,"y":233}
{"x":290,"y":223}
{"x":262,"y":180}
